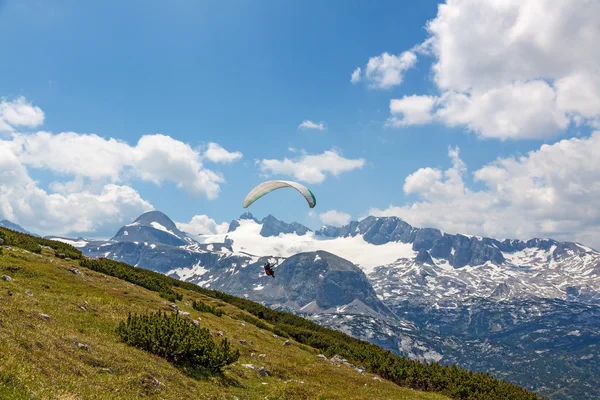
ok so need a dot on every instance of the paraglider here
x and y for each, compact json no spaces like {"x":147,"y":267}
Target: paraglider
{"x":269,"y":270}
{"x":266,"y":187}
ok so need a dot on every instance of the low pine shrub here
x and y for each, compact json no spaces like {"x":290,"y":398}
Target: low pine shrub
{"x":178,"y":341}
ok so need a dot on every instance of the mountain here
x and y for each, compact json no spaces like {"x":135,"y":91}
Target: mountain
{"x":440,"y":297}
{"x":10,"y":225}
{"x":105,"y":329}
{"x":152,"y":241}
{"x":322,"y":282}
{"x":457,"y":250}
{"x":152,"y":227}
{"x":271,"y":226}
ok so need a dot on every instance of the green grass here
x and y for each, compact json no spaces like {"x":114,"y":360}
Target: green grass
{"x":42,"y":359}
{"x":452,"y":381}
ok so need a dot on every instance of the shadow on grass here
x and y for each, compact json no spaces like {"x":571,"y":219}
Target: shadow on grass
{"x":203,"y":374}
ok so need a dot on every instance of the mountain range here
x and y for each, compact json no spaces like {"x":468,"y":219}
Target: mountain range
{"x":527,"y":311}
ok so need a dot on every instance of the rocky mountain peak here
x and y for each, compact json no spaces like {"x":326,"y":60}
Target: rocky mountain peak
{"x":159,"y":217}
{"x":323,"y":280}
{"x":152,"y":227}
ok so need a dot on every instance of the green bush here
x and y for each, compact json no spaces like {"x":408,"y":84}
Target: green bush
{"x":178,"y":341}
{"x":20,"y":240}
{"x":254,"y":321}
{"x":203,"y":307}
{"x":139,"y":276}
{"x":172,"y":297}
{"x":34,"y":243}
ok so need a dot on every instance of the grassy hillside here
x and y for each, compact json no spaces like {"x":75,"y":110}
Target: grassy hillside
{"x":59,"y":337}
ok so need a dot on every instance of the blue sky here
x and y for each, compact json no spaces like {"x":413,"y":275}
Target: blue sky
{"x":246,"y":74}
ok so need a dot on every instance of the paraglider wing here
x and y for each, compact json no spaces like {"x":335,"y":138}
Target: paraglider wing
{"x":268,"y":186}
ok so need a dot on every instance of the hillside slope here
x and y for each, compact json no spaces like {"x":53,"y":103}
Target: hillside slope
{"x":58,"y":340}
{"x":63,"y":328}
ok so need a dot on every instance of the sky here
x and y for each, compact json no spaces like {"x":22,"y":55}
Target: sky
{"x":470,"y":116}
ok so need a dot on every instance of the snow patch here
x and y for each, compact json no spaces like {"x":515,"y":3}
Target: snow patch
{"x":247,"y":239}
{"x":75,"y":243}
{"x":187,"y":273}
{"x":160,"y":227}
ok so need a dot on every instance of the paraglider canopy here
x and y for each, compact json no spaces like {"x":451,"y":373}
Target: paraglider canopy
{"x":268,"y":186}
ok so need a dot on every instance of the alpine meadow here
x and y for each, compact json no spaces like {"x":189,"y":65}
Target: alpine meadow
{"x":310,"y":200}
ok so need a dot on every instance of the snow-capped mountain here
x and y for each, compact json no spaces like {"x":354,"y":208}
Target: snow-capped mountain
{"x":422,"y":263}
{"x":502,"y":306}
{"x":152,"y":227}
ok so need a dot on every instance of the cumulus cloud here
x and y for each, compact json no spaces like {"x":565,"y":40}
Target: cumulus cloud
{"x":90,"y":194}
{"x":335,"y":218}
{"x":217,"y":154}
{"x":307,"y":124}
{"x":551,"y":192}
{"x":100,"y":211}
{"x":513,"y":70}
{"x":312,"y":168}
{"x":412,"y":110}
{"x":202,"y":225}
{"x":155,"y":158}
{"x":386,"y":70}
{"x":18,"y":113}
{"x":355,"y":77}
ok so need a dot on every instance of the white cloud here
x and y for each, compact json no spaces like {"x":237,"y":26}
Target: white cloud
{"x":335,"y":218}
{"x":386,"y":70}
{"x":306,"y":124}
{"x":202,"y":225}
{"x":414,"y":110}
{"x":355,"y":77}
{"x":512,"y":69}
{"x":156,"y":158}
{"x":70,"y":153}
{"x":312,"y":168}
{"x":550,"y":192}
{"x":218,"y":154}
{"x":18,"y":113}
{"x":24,"y":202}
{"x":516,"y":111}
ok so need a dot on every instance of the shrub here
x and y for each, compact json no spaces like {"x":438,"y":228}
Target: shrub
{"x":34,"y":243}
{"x":178,"y":341}
{"x":253,"y":320}
{"x":203,"y":307}
{"x":139,"y":276}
